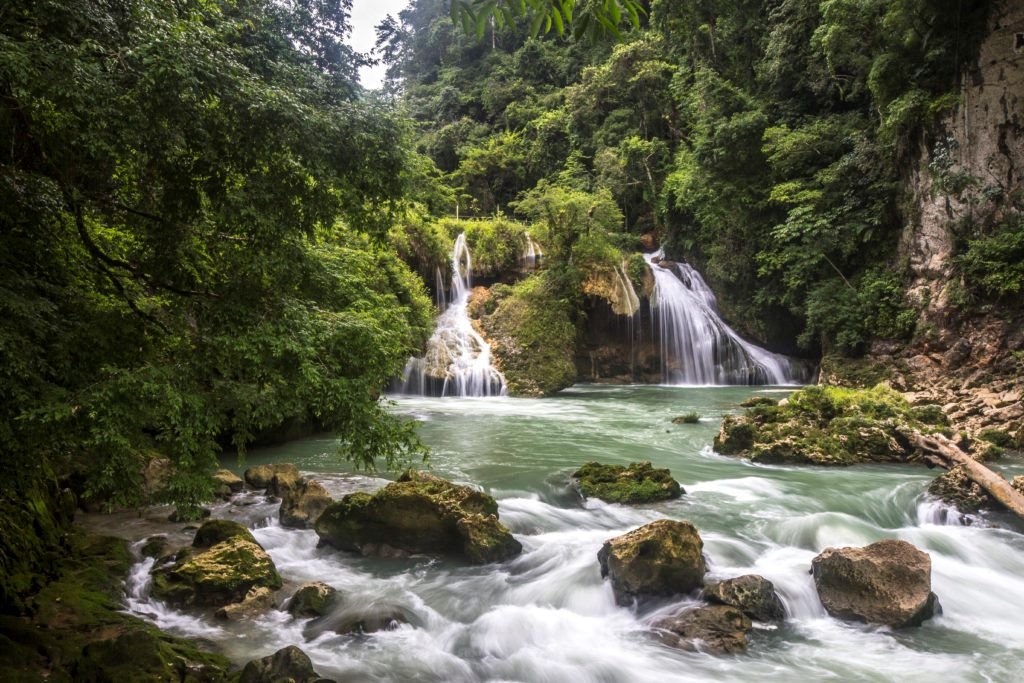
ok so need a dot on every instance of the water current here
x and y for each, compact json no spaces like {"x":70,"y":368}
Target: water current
{"x":547,"y":616}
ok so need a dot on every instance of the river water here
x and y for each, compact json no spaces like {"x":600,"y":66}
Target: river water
{"x":547,"y":616}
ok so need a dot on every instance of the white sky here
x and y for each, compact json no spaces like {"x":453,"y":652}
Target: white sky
{"x":366,"y":14}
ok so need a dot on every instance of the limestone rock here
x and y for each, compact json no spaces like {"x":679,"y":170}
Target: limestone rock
{"x":312,"y":600}
{"x":290,"y":665}
{"x":216,"y":531}
{"x":218,"y":576}
{"x":753,"y":595}
{"x":226,"y":483}
{"x":637,"y":483}
{"x":888,"y":582}
{"x":284,"y":482}
{"x":259,"y":477}
{"x":419,"y":513}
{"x":303,"y":503}
{"x":718,"y":629}
{"x":661,"y":558}
{"x":257,"y":601}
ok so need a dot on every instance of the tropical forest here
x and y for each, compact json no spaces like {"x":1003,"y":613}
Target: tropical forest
{"x":534,"y":341}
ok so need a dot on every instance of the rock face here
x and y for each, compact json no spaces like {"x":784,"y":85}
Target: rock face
{"x":661,"y":558}
{"x":312,"y":600}
{"x":637,"y":483}
{"x":419,"y":513}
{"x":257,"y":601}
{"x":288,"y":665}
{"x":718,"y":629}
{"x":259,"y":477}
{"x":302,"y":504}
{"x":753,"y":595}
{"x":888,"y":582}
{"x":221,"y":575}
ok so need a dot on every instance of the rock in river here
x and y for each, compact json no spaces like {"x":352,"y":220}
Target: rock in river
{"x":638,"y":483}
{"x":419,"y":513}
{"x":303,"y":503}
{"x":289,"y":664}
{"x":888,"y":582}
{"x":718,"y":629}
{"x":312,"y":600}
{"x":753,"y":595}
{"x":661,"y":558}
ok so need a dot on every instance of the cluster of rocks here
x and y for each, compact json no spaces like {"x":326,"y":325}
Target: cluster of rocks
{"x":886,"y":583}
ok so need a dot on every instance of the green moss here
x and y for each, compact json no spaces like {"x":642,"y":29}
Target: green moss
{"x":839,"y":370}
{"x":532,"y":338}
{"x":999,"y":437}
{"x":687,"y":419}
{"x":637,"y":483}
{"x":827,"y":425}
{"x":215,"y":531}
{"x":218,"y":576}
{"x":77,"y":632}
{"x":496,"y":244}
{"x":755,"y":401}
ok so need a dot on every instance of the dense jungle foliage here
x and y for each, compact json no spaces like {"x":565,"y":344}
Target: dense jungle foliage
{"x":762,"y":140}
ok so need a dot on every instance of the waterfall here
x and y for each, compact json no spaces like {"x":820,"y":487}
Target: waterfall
{"x":531,"y":255}
{"x":697,"y":346}
{"x":458,"y":359}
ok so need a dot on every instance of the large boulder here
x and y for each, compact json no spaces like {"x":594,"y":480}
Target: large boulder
{"x":285,"y":482}
{"x":312,"y":600}
{"x":257,"y":601}
{"x":219,"y":576}
{"x":661,"y":558}
{"x":260,"y":476}
{"x":302,"y":504}
{"x":888,"y":582}
{"x":718,"y":629}
{"x":290,"y":665}
{"x":753,"y":595}
{"x":637,"y":483}
{"x":419,"y":513}
{"x":216,"y":531}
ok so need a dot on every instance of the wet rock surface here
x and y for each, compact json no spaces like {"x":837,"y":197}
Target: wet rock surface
{"x":658,"y":559}
{"x":717,"y":629}
{"x":289,"y":664}
{"x":753,"y":595}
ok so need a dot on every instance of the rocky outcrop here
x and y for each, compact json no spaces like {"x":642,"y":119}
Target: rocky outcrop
{"x":825,"y":425}
{"x":888,"y":583}
{"x":419,"y":513}
{"x":312,"y":600}
{"x":753,"y":595}
{"x":957,"y":489}
{"x":260,"y":476}
{"x":303,"y":503}
{"x":219,"y":576}
{"x":290,"y":665}
{"x":717,"y":629}
{"x":216,"y":531}
{"x":658,"y":559}
{"x":637,"y":483}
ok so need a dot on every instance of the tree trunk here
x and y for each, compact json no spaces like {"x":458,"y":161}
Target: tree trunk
{"x":940,"y":450}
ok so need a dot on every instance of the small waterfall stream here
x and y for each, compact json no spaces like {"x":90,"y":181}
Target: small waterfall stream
{"x":697,"y":346}
{"x":458,"y":359}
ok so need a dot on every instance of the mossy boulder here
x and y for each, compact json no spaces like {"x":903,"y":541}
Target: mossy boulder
{"x":888,"y":583}
{"x":222,"y":575}
{"x":823,"y":425}
{"x":637,"y":483}
{"x":686,"y":419}
{"x":260,"y":476}
{"x":226,"y":483}
{"x":258,"y":600}
{"x":303,"y":503}
{"x":419,"y":513}
{"x":753,"y":595}
{"x":312,"y":600}
{"x":716,"y":629}
{"x":290,"y":665}
{"x":658,"y":559}
{"x":214,"y":531}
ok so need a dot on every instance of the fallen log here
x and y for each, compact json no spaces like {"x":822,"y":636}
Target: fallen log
{"x":941,"y":451}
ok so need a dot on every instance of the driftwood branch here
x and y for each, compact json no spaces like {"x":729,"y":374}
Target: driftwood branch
{"x":939,"y":450}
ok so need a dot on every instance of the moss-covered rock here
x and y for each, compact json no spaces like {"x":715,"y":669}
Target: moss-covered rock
{"x":303,"y":503}
{"x":661,"y":558}
{"x":419,"y":513}
{"x":634,"y":484}
{"x":753,"y":595}
{"x":226,"y":483}
{"x":78,"y":632}
{"x":823,"y":425}
{"x":686,"y":419}
{"x":286,"y":665}
{"x":260,"y":476}
{"x":312,"y":600}
{"x":532,"y":337}
{"x":219,"y":576}
{"x":214,"y":531}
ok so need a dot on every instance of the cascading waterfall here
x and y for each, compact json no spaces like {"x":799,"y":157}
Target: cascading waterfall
{"x":531,"y":255}
{"x":697,"y":346}
{"x":458,"y":359}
